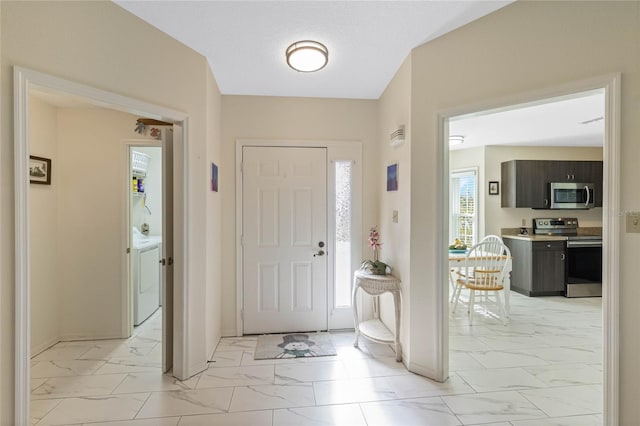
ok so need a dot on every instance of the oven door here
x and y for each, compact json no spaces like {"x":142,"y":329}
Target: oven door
{"x":583,"y":268}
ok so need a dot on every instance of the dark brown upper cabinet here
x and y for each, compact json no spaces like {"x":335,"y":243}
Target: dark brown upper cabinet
{"x":525,"y":183}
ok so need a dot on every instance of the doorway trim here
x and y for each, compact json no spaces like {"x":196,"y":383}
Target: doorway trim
{"x":23,"y":80}
{"x":610,"y":221}
{"x":336,"y":150}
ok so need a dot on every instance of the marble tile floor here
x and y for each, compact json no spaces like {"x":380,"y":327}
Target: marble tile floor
{"x":542,"y":369}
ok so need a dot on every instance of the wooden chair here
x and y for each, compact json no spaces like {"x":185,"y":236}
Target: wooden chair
{"x":484,"y":269}
{"x":455,"y":295}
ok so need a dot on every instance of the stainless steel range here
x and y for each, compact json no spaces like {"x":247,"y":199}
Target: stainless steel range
{"x":583,"y":255}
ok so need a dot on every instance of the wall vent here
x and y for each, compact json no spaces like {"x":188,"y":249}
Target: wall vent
{"x":397,"y":137}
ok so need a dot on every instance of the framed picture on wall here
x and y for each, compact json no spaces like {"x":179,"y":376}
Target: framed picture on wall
{"x":392,"y":177}
{"x":494,"y":187}
{"x":214,"y":177}
{"x":39,"y":170}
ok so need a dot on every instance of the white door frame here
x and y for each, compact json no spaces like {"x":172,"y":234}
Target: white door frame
{"x":610,"y":221}
{"x":23,"y":80}
{"x":336,"y":151}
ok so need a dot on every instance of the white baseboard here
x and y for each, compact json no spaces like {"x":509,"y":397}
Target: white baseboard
{"x":229,"y":332}
{"x":213,"y":350}
{"x":81,"y":336}
{"x":35,"y":350}
{"x":423,"y":371}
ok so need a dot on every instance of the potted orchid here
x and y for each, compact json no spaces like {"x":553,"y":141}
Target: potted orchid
{"x":375,"y":266}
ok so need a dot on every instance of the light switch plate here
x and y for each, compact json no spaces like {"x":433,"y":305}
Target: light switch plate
{"x":394,"y":216}
{"x":633,"y":222}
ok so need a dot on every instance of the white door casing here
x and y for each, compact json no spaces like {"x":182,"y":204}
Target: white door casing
{"x":284,"y":239}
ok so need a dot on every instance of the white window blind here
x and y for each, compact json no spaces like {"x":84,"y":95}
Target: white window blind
{"x":464,"y":204}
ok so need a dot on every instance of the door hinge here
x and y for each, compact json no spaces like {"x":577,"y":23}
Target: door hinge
{"x":242,"y":314}
{"x":128,"y":250}
{"x":242,"y":240}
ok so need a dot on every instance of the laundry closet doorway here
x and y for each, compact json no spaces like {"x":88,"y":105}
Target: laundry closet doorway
{"x":149,"y":216}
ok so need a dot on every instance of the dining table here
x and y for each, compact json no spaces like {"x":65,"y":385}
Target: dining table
{"x":457,"y":260}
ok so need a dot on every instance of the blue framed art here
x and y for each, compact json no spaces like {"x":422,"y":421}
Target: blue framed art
{"x":392,"y":177}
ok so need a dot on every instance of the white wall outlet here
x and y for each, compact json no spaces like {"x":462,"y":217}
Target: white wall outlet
{"x":633,"y":222}
{"x":394,"y":216}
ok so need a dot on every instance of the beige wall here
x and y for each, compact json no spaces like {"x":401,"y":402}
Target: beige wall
{"x":214,"y":221}
{"x":101,"y":45}
{"x":77,"y":223}
{"x":252,"y":117}
{"x":523,"y":47}
{"x":43,"y":199}
{"x":394,"y":110}
{"x":92,"y":165}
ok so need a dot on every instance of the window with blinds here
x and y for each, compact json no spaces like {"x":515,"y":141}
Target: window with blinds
{"x":463,"y":223}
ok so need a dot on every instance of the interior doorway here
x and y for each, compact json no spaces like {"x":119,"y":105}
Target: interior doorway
{"x":609,"y":85}
{"x":26,"y":83}
{"x":149,"y":229}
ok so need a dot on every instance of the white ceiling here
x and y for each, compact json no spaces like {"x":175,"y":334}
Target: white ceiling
{"x":245,"y":41}
{"x":575,"y":120}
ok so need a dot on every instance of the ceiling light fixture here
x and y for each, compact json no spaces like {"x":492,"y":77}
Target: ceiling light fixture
{"x":455,"y":140}
{"x":307,"y":56}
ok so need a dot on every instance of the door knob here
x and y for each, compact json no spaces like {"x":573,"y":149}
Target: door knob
{"x":319,"y":253}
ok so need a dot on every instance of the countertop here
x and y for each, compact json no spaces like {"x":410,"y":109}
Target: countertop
{"x":514,"y":234}
{"x":535,"y":237}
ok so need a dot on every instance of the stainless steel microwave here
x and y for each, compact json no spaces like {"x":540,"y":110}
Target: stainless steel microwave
{"x":571,"y":195}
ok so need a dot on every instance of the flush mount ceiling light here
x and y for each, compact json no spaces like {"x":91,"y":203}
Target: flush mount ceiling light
{"x":455,"y":140}
{"x":307,"y":56}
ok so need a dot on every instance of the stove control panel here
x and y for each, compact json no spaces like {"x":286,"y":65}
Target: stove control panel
{"x":555,"y":225}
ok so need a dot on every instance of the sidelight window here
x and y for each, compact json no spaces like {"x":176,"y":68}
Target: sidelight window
{"x":343,"y":221}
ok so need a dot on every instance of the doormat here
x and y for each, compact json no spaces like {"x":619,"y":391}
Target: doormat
{"x":294,"y":345}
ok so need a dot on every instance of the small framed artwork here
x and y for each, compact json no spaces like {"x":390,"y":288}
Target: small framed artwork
{"x":214,"y":177}
{"x":392,"y":177}
{"x":39,"y":170}
{"x":494,"y":187}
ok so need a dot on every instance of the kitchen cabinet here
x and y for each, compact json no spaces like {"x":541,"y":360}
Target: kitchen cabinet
{"x":538,"y":266}
{"x":525,"y":183}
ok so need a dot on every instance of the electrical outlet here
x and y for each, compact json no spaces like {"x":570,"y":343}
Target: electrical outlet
{"x":394,"y":216}
{"x":633,"y":222}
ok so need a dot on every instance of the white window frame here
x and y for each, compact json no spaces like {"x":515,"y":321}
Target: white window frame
{"x":452,"y":200}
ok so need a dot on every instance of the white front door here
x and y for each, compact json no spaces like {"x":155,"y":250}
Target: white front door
{"x":284,"y":235}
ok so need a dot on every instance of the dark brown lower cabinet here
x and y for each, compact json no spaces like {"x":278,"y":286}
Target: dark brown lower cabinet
{"x":538,"y":267}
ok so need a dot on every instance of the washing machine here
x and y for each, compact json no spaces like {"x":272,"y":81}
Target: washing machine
{"x":146,"y":276}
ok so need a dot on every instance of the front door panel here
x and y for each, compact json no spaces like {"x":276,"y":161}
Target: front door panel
{"x":283,"y":222}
